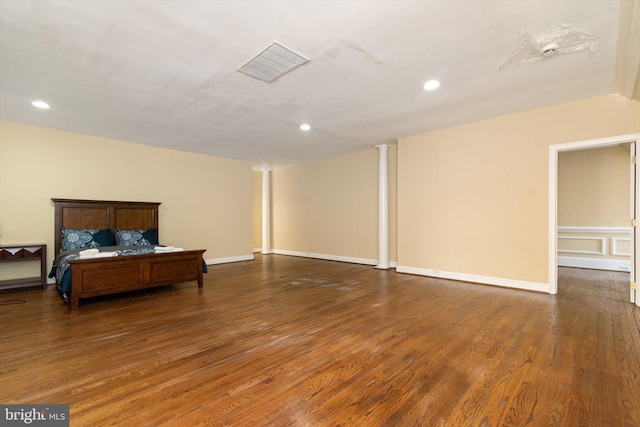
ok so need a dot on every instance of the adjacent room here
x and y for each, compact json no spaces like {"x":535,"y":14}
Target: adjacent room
{"x":320,"y":213}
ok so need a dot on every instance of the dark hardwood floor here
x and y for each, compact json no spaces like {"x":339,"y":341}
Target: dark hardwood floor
{"x":301,"y":342}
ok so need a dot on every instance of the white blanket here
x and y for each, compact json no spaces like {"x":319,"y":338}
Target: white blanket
{"x":166,"y":249}
{"x":88,"y":255}
{"x":88,"y":252}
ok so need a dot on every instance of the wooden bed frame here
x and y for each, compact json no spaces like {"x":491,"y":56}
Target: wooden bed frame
{"x":93,"y":277}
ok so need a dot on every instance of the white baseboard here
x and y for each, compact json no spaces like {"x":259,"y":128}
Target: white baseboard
{"x":594,"y":263}
{"x":365,"y":261}
{"x":212,"y":261}
{"x":473,"y":278}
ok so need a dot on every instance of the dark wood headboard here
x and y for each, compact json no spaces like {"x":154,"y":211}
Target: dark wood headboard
{"x":102,"y":214}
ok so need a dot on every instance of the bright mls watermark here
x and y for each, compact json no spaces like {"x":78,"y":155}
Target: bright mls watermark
{"x":34,"y":415}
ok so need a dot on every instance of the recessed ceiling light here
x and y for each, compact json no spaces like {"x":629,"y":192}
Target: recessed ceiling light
{"x":40,"y":104}
{"x":432,"y":85}
{"x":305,"y":127}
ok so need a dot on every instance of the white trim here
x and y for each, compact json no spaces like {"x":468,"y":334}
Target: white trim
{"x":212,"y":261}
{"x":614,"y":247}
{"x":594,"y":263}
{"x":352,"y":260}
{"x":594,"y":230}
{"x":554,"y":150}
{"x":596,"y":143}
{"x":254,"y":250}
{"x":553,"y":219}
{"x":634,"y":235}
{"x":474,"y":278}
{"x":602,"y":240}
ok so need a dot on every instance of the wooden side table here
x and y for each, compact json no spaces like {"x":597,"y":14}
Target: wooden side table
{"x":26,"y":252}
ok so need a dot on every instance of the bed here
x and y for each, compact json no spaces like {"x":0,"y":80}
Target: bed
{"x":125,"y":272}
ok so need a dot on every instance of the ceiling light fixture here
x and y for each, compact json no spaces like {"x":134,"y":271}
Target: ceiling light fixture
{"x":305,"y":127}
{"x":272,"y":63}
{"x":431,"y":85}
{"x":40,"y":104}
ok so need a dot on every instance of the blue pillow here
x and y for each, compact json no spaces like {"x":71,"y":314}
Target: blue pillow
{"x":88,"y":238}
{"x":137,"y":237}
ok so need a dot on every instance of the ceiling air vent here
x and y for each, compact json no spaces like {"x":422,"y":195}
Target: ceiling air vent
{"x":273,"y":62}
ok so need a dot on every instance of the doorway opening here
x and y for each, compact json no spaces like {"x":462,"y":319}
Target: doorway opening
{"x":554,"y":151}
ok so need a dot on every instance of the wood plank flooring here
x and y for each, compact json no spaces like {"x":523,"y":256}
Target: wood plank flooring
{"x":301,"y":342}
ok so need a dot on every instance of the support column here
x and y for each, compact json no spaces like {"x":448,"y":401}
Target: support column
{"x":266,"y":211}
{"x":383,"y":207}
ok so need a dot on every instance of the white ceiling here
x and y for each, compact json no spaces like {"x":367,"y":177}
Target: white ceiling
{"x":164,"y":73}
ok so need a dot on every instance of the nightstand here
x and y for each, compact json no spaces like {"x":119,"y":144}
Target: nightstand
{"x":26,"y":252}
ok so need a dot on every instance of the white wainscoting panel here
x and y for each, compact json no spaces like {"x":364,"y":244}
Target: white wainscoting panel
{"x":608,"y":257}
{"x":614,"y":246}
{"x":602,"y":241}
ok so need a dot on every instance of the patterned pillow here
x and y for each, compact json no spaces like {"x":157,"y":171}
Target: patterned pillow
{"x":80,"y":239}
{"x":137,"y":237}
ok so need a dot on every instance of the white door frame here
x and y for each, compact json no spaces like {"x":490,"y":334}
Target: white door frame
{"x":554,"y":150}
{"x":634,"y":211}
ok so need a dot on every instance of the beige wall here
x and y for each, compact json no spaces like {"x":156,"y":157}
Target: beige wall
{"x":206,"y":200}
{"x":593,"y":187}
{"x":473,"y":199}
{"x":330,"y":207}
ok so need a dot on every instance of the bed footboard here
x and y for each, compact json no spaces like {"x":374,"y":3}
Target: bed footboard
{"x":93,"y":277}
